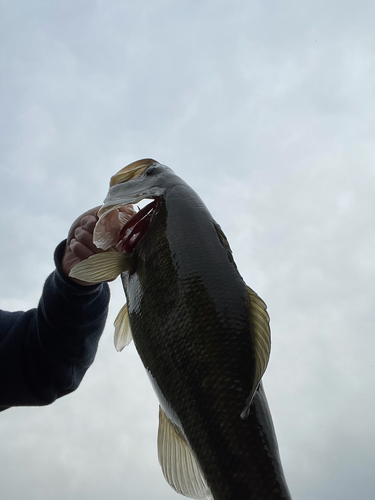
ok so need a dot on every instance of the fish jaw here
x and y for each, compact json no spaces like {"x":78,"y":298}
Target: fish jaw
{"x":132,"y":171}
{"x":140,"y":180}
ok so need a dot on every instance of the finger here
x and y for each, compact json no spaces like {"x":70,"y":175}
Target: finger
{"x":85,"y":237}
{"x":88,"y":223}
{"x":89,"y":213}
{"x":80,"y":250}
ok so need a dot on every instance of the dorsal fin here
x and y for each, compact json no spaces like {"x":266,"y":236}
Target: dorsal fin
{"x":180,"y":468}
{"x":260,"y":323}
{"x":224,"y":242}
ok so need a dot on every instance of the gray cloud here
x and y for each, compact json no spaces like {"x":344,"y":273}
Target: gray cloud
{"x":267,"y":111}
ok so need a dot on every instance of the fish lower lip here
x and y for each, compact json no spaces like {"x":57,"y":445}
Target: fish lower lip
{"x":136,"y":227}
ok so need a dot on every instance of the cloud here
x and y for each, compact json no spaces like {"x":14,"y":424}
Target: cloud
{"x":267,"y":111}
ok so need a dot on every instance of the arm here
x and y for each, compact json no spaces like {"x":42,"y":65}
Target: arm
{"x":45,"y":352}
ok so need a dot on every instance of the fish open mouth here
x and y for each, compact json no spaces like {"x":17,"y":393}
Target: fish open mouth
{"x":136,"y":227}
{"x":118,"y":226}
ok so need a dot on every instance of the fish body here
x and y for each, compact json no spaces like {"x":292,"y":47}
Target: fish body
{"x":203,"y":337}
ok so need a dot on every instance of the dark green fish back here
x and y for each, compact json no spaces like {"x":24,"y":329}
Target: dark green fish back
{"x":189,"y":311}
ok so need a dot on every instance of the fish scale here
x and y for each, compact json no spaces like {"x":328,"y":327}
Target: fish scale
{"x":203,"y":337}
{"x":197,"y":372}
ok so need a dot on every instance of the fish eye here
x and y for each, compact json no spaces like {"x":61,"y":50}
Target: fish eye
{"x":151,"y":170}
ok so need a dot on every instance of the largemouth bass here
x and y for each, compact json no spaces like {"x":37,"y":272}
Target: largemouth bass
{"x":202,"y":334}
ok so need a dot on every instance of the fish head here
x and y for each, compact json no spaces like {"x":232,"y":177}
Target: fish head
{"x":143,"y":179}
{"x":119,"y":226}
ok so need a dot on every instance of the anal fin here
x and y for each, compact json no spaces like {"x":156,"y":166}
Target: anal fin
{"x":180,"y":468}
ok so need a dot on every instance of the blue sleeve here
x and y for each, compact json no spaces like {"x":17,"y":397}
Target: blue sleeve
{"x":45,"y":352}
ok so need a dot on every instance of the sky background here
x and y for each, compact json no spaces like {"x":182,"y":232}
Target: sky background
{"x":267,"y":109}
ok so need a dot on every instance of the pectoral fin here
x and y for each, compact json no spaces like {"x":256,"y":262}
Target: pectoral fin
{"x":100,"y":267}
{"x":260,"y":322}
{"x":123,"y":333}
{"x":180,"y":468}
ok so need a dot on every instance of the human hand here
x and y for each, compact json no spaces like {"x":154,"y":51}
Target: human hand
{"x":80,"y":245}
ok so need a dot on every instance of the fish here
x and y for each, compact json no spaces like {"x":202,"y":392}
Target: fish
{"x":202,"y":334}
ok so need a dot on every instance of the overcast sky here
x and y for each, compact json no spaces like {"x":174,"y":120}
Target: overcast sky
{"x":266,"y":108}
